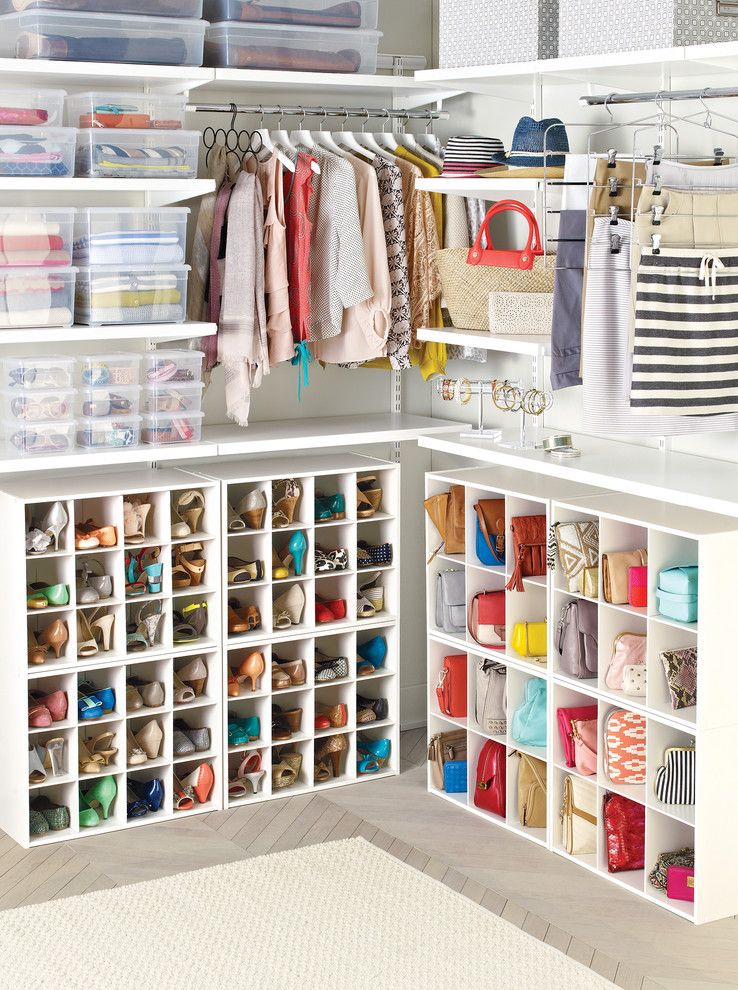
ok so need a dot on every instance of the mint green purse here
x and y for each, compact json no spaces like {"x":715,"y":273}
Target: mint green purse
{"x":529,"y":721}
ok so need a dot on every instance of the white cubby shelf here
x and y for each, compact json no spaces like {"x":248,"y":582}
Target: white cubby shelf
{"x":673,"y":536}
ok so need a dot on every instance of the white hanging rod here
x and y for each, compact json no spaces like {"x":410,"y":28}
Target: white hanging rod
{"x":313,"y":111}
{"x":659,"y":96}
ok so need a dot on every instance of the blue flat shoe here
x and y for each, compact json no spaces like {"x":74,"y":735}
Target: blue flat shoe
{"x":88,"y":707}
{"x":105,"y":696}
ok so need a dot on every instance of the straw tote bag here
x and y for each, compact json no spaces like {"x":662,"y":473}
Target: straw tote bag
{"x":469,"y":277}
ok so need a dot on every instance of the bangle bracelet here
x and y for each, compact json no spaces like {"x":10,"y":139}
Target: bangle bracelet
{"x":463,"y":391}
{"x":562,"y":441}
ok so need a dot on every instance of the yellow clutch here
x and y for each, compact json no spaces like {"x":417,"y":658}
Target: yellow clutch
{"x":529,"y":639}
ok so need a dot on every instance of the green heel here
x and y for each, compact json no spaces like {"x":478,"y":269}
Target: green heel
{"x":102,"y":794}
{"x":88,"y":817}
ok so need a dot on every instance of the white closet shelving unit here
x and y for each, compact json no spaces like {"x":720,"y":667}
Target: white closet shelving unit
{"x":100,"y":497}
{"x":674,"y":536}
{"x":327,"y":474}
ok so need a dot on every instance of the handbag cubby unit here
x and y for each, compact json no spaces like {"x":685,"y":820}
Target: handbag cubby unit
{"x":112,"y":705}
{"x":632,"y":687}
{"x":310,"y":593}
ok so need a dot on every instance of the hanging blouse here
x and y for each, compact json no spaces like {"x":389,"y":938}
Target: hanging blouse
{"x":365,"y":325}
{"x":276,"y":280}
{"x":399,"y":340}
{"x":298,"y":190}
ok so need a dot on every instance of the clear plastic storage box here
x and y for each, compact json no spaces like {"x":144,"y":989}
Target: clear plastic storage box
{"x":131,"y":235}
{"x":109,"y":401}
{"x":148,"y":154}
{"x":32,"y":439}
{"x":50,"y":371}
{"x":36,"y":237}
{"x":32,"y":107}
{"x":311,"y":13}
{"x":177,"y":398}
{"x":107,"y":434}
{"x":155,"y":8}
{"x":46,"y":152}
{"x":123,"y":295}
{"x":126,"y":111}
{"x":30,"y":297}
{"x":299,"y":49}
{"x":98,"y":370}
{"x":38,"y":405}
{"x":94,"y":37}
{"x":164,"y":428}
{"x":172,"y":366}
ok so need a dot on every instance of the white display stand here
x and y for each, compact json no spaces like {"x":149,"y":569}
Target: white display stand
{"x":673,"y":536}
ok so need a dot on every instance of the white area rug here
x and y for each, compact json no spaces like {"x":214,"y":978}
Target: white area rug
{"x":339,"y":916}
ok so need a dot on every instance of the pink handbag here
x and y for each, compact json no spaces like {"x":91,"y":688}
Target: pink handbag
{"x":566,"y":717}
{"x":629,"y":649}
{"x":585,"y":745}
{"x":487,"y":619}
{"x":680,"y":883}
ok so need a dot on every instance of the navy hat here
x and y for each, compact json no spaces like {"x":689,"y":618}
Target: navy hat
{"x":528,"y":143}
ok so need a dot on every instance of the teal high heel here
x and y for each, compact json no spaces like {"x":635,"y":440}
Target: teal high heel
{"x":328,"y":507}
{"x":372,"y":655}
{"x":243,"y":730}
{"x":298,"y":547}
{"x":101,"y":795}
{"x":373,"y":754}
{"x":152,"y":569}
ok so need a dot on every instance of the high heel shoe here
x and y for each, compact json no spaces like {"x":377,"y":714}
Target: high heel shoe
{"x":289,"y":607}
{"x":252,"y":509}
{"x":36,"y":769}
{"x":54,"y":637}
{"x":54,"y":522}
{"x":136,"y":753}
{"x":86,"y":642}
{"x":101,"y":795}
{"x":235,"y":522}
{"x":152,"y":570}
{"x":286,"y":769}
{"x":135,"y":516}
{"x":285,"y":496}
{"x":249,"y":770}
{"x":298,"y":548}
{"x":100,"y":746}
{"x":184,"y":797}
{"x":182,"y":694}
{"x":372,"y":754}
{"x":88,"y":817}
{"x":150,"y":738}
{"x":251,"y":669}
{"x":332,"y":747}
{"x":102,"y":630}
{"x":187,"y":512}
{"x":195,"y":674}
{"x":368,"y":497}
{"x":194,"y":567}
{"x":36,"y":651}
{"x":202,"y":782}
{"x":279,"y":570}
{"x":88,"y":762}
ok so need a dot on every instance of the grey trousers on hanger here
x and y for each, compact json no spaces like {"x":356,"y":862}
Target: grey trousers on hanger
{"x":566,"y":330}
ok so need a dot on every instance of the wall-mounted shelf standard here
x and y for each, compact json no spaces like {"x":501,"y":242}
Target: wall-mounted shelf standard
{"x":126,"y":331}
{"x":158,"y":192}
{"x":673,"y":537}
{"x":300,"y":639}
{"x":98,"y":652}
{"x":532,"y":345}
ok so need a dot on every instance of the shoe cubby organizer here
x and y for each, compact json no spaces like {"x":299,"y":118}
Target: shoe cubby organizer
{"x":308,"y":668}
{"x":117,"y":665}
{"x":672,"y":536}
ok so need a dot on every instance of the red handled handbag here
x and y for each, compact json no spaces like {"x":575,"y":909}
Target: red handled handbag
{"x":493,"y":257}
{"x":565,"y":716}
{"x":451,"y":687}
{"x":625,"y":833}
{"x":529,"y":548}
{"x":489,"y":793}
{"x":487,"y":619}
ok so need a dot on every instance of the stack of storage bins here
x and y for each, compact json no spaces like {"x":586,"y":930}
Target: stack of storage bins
{"x":149,"y":32}
{"x":133,"y":136}
{"x":32,"y":140}
{"x":131,"y":265}
{"x":297,"y":35}
{"x":38,"y":397}
{"x":109,"y":399}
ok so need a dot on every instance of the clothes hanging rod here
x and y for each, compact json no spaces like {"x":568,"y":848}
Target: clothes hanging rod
{"x":322,"y":111}
{"x":661,"y":95}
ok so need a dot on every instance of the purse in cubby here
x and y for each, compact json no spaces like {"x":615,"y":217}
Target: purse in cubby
{"x":578,"y":545}
{"x":451,"y":686}
{"x":584,"y":733}
{"x":447,"y":511}
{"x":579,"y":817}
{"x":625,"y":747}
{"x":451,"y":601}
{"x":531,"y":791}
{"x":625,"y":833}
{"x":529,"y":640}
{"x":529,"y":549}
{"x":529,"y":720}
{"x":577,"y":639}
{"x":490,"y":710}
{"x":676,"y":595}
{"x":491,"y":778}
{"x":455,"y":776}
{"x":680,"y":667}
{"x":565,"y":718}
{"x":674,"y":782}
{"x":490,"y":536}
{"x":634,"y":680}
{"x":666,"y":862}
{"x":629,"y":649}
{"x":615,"y":568}
{"x":487,"y":619}
{"x":443,"y":748}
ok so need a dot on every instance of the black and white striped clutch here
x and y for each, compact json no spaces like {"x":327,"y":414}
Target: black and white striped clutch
{"x":675,"y":780}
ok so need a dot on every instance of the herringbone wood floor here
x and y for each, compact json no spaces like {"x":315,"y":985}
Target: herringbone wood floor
{"x":636,"y":945}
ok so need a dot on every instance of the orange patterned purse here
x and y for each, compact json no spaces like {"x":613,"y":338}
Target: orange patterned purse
{"x":625,"y":747}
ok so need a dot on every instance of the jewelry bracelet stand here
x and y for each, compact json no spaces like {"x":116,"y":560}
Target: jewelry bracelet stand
{"x":506,"y":396}
{"x":461,"y":390}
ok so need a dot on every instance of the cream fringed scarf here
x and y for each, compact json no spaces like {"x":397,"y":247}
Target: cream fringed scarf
{"x":243,"y":348}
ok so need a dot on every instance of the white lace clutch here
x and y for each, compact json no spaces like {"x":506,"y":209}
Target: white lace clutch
{"x":520,"y":312}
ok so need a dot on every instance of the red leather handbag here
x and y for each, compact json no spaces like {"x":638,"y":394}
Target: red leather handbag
{"x":625,"y":833}
{"x":529,"y":548}
{"x":489,"y":793}
{"x":487,"y":619}
{"x":565,"y":716}
{"x":493,"y":257}
{"x":451,"y":687}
